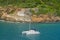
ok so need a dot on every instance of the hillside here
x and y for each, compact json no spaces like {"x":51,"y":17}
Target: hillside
{"x":45,"y":6}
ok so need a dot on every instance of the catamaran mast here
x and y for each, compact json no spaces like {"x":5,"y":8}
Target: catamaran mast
{"x":27,"y":12}
{"x":30,"y":20}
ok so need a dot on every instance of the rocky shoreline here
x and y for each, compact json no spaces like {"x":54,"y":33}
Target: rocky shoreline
{"x":42,"y":18}
{"x":45,"y":18}
{"x":24,"y":15}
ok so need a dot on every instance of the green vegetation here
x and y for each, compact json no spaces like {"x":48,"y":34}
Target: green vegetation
{"x":45,"y":6}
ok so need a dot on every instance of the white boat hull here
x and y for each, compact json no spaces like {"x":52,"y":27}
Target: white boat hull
{"x":30,"y":32}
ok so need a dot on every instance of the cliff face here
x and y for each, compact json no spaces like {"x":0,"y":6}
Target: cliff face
{"x":25,"y":15}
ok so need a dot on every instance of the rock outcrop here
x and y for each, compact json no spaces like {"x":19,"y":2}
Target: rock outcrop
{"x":45,"y":18}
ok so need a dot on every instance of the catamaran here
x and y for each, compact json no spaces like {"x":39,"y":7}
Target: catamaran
{"x":30,"y":31}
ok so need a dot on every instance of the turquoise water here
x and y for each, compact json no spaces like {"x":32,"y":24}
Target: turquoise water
{"x":12,"y":31}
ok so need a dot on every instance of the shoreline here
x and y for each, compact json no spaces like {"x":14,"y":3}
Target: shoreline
{"x":25,"y":15}
{"x":43,"y":18}
{"x":31,"y":22}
